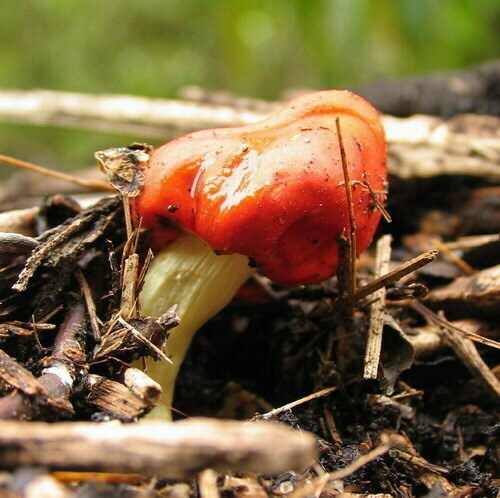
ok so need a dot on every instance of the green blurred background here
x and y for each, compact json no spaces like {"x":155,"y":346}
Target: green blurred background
{"x":253,"y":48}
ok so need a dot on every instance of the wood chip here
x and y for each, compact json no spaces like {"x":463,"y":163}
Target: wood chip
{"x":481,"y":290}
{"x":114,"y":398}
{"x":377,"y":310}
{"x":142,"y":386}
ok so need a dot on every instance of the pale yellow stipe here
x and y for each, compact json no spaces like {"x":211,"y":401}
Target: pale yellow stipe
{"x":187,"y":273}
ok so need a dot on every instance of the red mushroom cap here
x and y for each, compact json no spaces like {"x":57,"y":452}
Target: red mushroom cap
{"x":273,"y":191}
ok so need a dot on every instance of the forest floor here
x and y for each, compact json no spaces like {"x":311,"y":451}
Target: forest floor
{"x":398,"y":381}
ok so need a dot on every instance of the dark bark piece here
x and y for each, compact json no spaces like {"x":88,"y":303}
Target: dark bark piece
{"x":13,"y":245}
{"x":22,"y":329}
{"x":40,"y":287}
{"x":54,"y":387}
{"x":18,"y":377}
{"x":69,"y":240}
{"x":397,"y":354}
{"x":478,"y":294}
{"x":476,"y":90}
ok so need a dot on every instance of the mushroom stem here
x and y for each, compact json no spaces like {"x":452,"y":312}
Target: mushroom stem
{"x":187,"y":273}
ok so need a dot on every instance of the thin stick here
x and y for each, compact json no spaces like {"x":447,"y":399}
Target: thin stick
{"x":397,"y":274}
{"x":386,"y":445}
{"x":145,"y":266}
{"x":352,"y":219}
{"x":128,"y":216}
{"x":472,"y":241}
{"x":377,"y":310}
{"x":464,"y":266}
{"x":346,"y":273}
{"x":378,"y":204}
{"x":442,"y":322}
{"x":144,"y":340}
{"x":418,"y":461}
{"x":109,"y":477}
{"x":331,"y":427}
{"x":295,"y":403}
{"x":89,"y":302}
{"x":464,"y":348}
{"x":34,"y":168}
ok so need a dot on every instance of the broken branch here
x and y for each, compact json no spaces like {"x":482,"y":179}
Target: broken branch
{"x":173,"y":450}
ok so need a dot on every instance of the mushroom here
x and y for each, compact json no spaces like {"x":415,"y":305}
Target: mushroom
{"x":271,"y":196}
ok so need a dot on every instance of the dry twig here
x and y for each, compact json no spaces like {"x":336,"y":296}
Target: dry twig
{"x":293,"y":404}
{"x":174,"y":450}
{"x":397,"y":274}
{"x":35,"y":168}
{"x":442,"y":322}
{"x":443,"y":248}
{"x":465,"y":349}
{"x":346,"y":273}
{"x":387,"y":443}
{"x":352,"y":219}
{"x":419,"y":146}
{"x":89,"y":301}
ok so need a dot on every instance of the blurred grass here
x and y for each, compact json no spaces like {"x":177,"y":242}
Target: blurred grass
{"x":256,"y":48}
